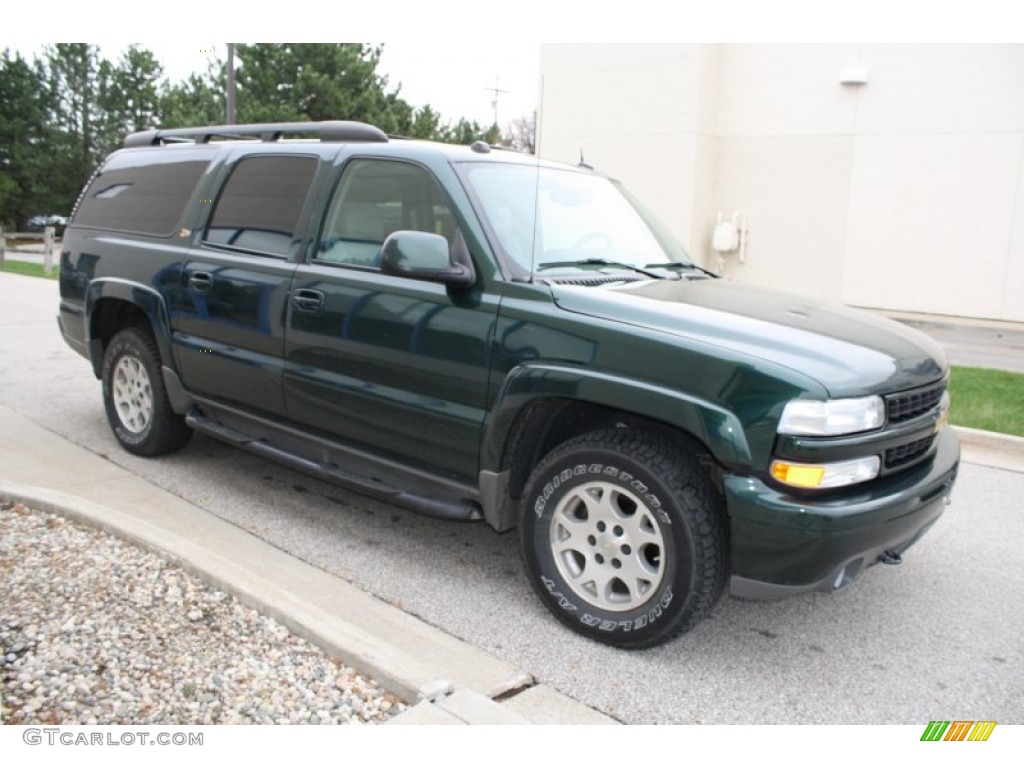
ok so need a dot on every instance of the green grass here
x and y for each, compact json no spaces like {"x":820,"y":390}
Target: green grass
{"x":30,"y":269}
{"x":987,"y":399}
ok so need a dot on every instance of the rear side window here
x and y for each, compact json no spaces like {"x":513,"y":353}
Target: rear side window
{"x":142,"y":193}
{"x":259,"y":207}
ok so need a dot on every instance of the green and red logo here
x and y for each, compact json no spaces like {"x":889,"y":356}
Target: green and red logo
{"x":958,"y":730}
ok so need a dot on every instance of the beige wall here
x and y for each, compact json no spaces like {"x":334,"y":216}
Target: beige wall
{"x":905,"y":193}
{"x":640,"y":113}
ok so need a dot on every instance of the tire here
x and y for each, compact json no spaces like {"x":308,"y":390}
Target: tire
{"x":624,"y":538}
{"x":135,"y":399}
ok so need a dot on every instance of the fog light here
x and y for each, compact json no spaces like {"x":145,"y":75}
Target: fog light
{"x":832,"y":475}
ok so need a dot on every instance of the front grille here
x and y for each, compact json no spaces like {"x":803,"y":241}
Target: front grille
{"x":908,"y":405}
{"x":905,"y":454}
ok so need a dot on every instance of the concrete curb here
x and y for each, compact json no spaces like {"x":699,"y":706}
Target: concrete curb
{"x":991,"y":449}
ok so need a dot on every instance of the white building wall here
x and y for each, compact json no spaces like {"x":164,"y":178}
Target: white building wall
{"x":905,"y":193}
{"x":936,"y":188}
{"x":641,"y":113}
{"x":785,"y":133}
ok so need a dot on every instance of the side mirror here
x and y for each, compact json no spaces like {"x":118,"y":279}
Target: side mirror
{"x":425,"y":256}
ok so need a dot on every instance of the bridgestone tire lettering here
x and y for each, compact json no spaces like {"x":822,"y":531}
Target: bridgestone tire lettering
{"x":626,"y":540}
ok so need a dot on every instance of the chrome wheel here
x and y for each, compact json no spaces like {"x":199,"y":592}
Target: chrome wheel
{"x":607,"y":546}
{"x":623,"y":536}
{"x":132,"y":394}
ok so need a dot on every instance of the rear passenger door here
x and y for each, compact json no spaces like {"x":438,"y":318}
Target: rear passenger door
{"x":229,"y":329}
{"x":389,"y":364}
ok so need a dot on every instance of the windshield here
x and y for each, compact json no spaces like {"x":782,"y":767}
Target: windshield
{"x":550,"y":219}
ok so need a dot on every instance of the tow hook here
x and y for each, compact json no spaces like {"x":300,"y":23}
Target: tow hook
{"x":890,"y":558}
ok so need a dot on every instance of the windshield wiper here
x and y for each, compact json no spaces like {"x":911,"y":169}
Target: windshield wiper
{"x":682,"y":265}
{"x":606,"y":263}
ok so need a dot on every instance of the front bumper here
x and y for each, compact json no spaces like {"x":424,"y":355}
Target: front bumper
{"x":783,"y":544}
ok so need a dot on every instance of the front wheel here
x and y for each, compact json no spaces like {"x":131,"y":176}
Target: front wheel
{"x":135,"y":399}
{"x":623,"y":537}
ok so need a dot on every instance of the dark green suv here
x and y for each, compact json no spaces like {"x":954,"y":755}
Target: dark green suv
{"x":474,"y":333}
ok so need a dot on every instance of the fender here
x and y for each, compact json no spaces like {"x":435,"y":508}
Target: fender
{"x":147,"y":299}
{"x":153,"y":306}
{"x":716,"y":427}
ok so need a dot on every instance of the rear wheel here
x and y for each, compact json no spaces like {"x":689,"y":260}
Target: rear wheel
{"x":623,"y":537}
{"x":135,"y":399}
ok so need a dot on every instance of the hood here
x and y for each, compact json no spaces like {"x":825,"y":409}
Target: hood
{"x":849,"y":352}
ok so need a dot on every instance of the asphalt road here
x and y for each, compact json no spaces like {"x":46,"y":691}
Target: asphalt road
{"x":940,"y":637}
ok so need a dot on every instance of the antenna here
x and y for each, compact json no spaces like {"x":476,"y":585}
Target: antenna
{"x":494,"y":102}
{"x":536,"y":189}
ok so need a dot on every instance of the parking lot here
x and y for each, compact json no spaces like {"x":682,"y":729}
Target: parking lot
{"x":939,"y":637}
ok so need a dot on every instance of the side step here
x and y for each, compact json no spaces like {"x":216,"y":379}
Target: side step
{"x":432,"y":507}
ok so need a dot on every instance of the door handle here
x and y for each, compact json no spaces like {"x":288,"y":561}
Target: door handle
{"x":308,"y":300}
{"x":200,"y":282}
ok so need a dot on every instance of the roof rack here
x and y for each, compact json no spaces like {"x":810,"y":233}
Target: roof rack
{"x":327,"y":130}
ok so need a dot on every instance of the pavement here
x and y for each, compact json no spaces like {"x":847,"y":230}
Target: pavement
{"x":976,"y":343}
{"x":447,"y":680}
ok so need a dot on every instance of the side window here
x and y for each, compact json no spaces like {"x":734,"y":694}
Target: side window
{"x":376,"y":198}
{"x":142,"y":193}
{"x":259,"y":206}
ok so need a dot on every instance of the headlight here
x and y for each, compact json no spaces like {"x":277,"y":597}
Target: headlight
{"x":832,"y":417}
{"x":833,"y":475}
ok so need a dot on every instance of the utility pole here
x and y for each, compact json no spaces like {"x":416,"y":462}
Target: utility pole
{"x":494,"y":103}
{"x":231,"y":85}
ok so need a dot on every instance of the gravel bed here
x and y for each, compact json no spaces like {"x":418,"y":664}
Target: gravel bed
{"x":96,"y":631}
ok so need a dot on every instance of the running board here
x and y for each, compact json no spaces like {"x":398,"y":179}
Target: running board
{"x":440,"y":508}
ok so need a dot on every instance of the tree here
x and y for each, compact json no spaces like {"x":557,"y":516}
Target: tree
{"x":23,"y":132}
{"x":133,"y":98}
{"x":463,"y":132}
{"x":82,"y":129}
{"x":492,"y":135}
{"x":316,"y":81}
{"x":521,"y":133}
{"x":73,"y":70}
{"x":426,"y":123}
{"x":196,"y":101}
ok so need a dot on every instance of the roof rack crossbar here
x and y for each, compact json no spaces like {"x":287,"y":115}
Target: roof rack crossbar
{"x":327,"y":131}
